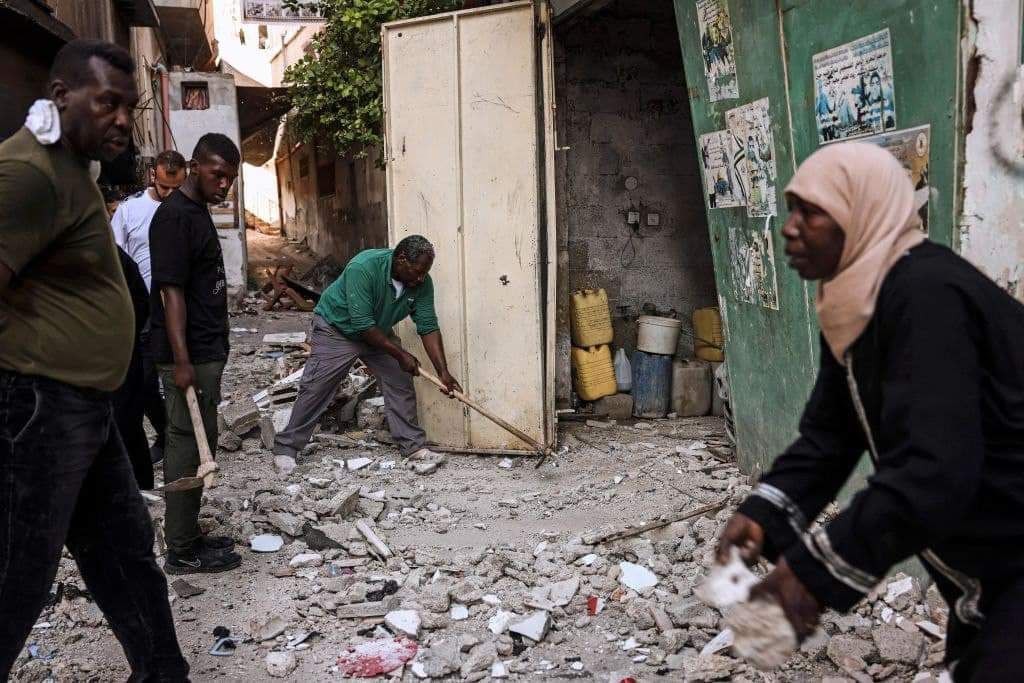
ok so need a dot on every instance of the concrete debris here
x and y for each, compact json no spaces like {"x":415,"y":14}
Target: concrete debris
{"x":269,"y":630}
{"x":896,"y":645}
{"x":404,"y":621}
{"x":489,"y":560}
{"x":534,"y":627}
{"x":440,"y":659}
{"x":239,"y":417}
{"x":354,"y":464}
{"x":636,"y":577}
{"x":184,"y":589}
{"x":281,"y":664}
{"x":306,"y":560}
{"x":285,"y":339}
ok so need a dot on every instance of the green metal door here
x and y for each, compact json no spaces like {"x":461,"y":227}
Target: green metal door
{"x":772,"y":341}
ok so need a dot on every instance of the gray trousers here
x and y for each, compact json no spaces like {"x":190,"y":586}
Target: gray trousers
{"x":329,"y":361}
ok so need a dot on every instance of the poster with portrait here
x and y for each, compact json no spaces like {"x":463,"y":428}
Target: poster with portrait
{"x":269,"y":11}
{"x":721,"y":177}
{"x":751,"y":129}
{"x":853,"y":85}
{"x":717,"y":49}
{"x":913,"y":149}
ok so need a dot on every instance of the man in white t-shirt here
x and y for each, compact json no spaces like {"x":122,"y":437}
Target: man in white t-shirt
{"x":132,"y":218}
{"x":131,"y":232}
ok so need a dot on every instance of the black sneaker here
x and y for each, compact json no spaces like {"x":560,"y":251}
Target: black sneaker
{"x":217,"y":542}
{"x":201,"y":561}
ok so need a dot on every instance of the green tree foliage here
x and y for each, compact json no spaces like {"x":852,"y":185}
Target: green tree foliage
{"x":335,"y":90}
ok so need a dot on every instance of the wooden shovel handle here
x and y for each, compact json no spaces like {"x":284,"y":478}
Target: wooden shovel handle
{"x":205,"y":456}
{"x":490,"y":416}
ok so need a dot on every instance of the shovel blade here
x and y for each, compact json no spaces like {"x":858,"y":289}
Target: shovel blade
{"x":183,"y":484}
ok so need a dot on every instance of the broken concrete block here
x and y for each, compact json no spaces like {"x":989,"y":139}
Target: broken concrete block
{"x":287,"y":522}
{"x":342,"y":504}
{"x":370,"y":414}
{"x":480,"y":658}
{"x":459,"y":612}
{"x":280,"y":664}
{"x":500,"y":622}
{"x":285,"y":338}
{"x":229,"y":441}
{"x":306,"y":560}
{"x":563,"y":592}
{"x":850,"y":652}
{"x":184,"y":589}
{"x":268,"y":631}
{"x":534,"y":627}
{"x":465,"y":593}
{"x":636,"y":577}
{"x":354,"y":464}
{"x":616,"y":407}
{"x":902,"y":592}
{"x":896,"y":645}
{"x":424,"y":468}
{"x":240,"y":417}
{"x":441,"y":659}
{"x":405,"y":621}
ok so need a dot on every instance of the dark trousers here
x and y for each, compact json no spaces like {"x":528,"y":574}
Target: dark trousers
{"x":65,"y":479}
{"x":993,"y":653}
{"x":152,"y":399}
{"x":129,"y":408}
{"x":181,"y":454}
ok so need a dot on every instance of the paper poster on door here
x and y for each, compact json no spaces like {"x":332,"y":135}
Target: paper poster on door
{"x":912,"y":147}
{"x":752,"y":253}
{"x":751,"y":129}
{"x":717,"y":49}
{"x":854,"y":93}
{"x":721,"y":177}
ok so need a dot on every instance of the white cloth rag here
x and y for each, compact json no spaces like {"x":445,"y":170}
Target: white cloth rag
{"x":43,"y":121}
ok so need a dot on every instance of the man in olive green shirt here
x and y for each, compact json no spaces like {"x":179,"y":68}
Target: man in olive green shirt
{"x":377,"y":289}
{"x":66,"y":339}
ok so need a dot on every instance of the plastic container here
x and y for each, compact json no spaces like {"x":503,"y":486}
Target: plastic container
{"x":652,"y":384}
{"x":657,"y":335}
{"x":594,"y":374}
{"x":623,"y":372}
{"x":720,"y":390}
{"x":691,"y":388}
{"x":591,"y":319}
{"x":708,"y":340}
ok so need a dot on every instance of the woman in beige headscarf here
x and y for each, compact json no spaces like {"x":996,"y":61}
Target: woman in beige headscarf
{"x":921,"y":366}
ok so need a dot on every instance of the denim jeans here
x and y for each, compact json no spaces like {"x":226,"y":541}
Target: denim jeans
{"x":65,"y":479}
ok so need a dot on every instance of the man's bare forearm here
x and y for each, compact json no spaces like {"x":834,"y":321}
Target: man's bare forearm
{"x":176,"y":317}
{"x":433,"y":344}
{"x":376,"y":338}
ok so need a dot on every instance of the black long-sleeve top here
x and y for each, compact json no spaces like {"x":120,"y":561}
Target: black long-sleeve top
{"x":939,"y":372}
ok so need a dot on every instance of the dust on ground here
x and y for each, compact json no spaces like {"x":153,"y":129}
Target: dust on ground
{"x":499,"y":570}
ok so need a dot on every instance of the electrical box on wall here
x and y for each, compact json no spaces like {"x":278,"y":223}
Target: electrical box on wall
{"x":653,"y":220}
{"x":633,"y":218}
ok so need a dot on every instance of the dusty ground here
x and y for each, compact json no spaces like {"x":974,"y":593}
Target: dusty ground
{"x":478,"y":527}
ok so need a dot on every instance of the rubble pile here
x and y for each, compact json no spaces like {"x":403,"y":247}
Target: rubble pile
{"x":357,"y":565}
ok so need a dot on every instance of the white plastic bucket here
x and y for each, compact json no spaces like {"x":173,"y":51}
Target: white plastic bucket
{"x":657,"y":335}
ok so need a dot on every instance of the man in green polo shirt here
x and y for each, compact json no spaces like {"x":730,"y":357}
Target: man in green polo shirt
{"x":378,"y":288}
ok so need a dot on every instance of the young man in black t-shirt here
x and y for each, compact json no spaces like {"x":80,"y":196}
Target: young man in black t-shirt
{"x":189,"y":339}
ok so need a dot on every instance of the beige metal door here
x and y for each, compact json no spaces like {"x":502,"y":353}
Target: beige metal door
{"x":463,"y":169}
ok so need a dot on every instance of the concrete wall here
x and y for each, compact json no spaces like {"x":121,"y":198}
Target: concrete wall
{"x":624,"y":114}
{"x":261,"y":198}
{"x":991,"y":226}
{"x":352,"y":218}
{"x":187,"y":127}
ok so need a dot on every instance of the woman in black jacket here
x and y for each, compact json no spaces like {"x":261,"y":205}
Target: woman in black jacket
{"x":922,"y":367}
